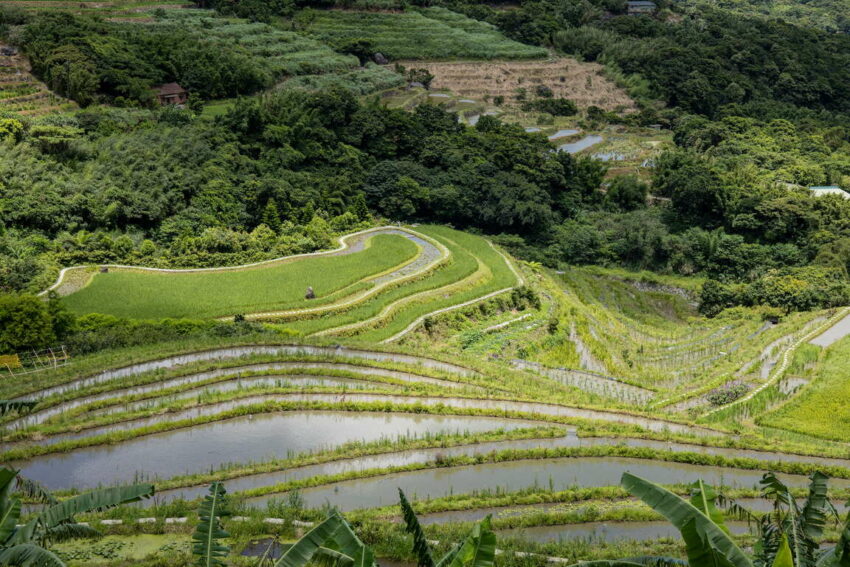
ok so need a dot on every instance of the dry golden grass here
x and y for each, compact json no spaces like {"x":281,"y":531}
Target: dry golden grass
{"x":583,"y":83}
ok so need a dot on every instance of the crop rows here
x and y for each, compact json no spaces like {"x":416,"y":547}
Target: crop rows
{"x":473,"y":269}
{"x":282,"y":53}
{"x":430,"y":33}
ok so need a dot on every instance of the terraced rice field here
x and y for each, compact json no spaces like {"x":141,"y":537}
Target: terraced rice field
{"x":116,"y":9}
{"x":819,"y":409}
{"x":350,"y":425}
{"x":385,"y":283}
{"x":130,"y":292}
{"x":582,"y":83}
{"x":22,"y":93}
{"x":281,"y":53}
{"x":427,"y":33}
{"x":518,"y":409}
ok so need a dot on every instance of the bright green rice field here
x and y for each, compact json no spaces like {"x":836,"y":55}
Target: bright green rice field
{"x":149,"y":295}
{"x":820,"y":409}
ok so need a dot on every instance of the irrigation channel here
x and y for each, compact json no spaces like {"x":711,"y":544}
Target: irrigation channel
{"x":531,"y":409}
{"x":508,"y":476}
{"x":241,"y":440}
{"x":608,"y":531}
{"x":237,"y":374}
{"x":228,"y":353}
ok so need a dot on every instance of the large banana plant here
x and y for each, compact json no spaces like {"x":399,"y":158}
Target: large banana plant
{"x":707,"y":544}
{"x":478,"y":549}
{"x":797,"y":525}
{"x":332,"y":543}
{"x":26,"y":545}
{"x":838,"y":556}
{"x":787,"y":536}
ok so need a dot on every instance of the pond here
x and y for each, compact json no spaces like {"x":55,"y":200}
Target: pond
{"x":564,"y":133}
{"x":838,"y":331}
{"x":583,"y":144}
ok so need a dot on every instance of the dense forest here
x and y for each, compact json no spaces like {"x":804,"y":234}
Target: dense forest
{"x":759,"y":109}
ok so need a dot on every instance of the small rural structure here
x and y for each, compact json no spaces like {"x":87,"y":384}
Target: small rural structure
{"x":640,"y":7}
{"x":821,"y":190}
{"x":171,"y":93}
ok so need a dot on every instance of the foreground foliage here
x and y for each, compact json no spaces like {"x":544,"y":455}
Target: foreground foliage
{"x":26,"y":545}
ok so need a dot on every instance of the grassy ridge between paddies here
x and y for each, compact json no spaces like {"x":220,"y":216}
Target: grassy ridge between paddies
{"x":146,"y":295}
{"x":391,"y":311}
{"x":427,"y":33}
{"x":821,"y":408}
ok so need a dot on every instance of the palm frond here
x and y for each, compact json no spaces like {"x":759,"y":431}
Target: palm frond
{"x":350,"y":545}
{"x":34,"y":491}
{"x":479,"y":547}
{"x":814,"y":511}
{"x":705,"y":542}
{"x":703,"y":498}
{"x":303,"y":551}
{"x":96,"y":500}
{"x":64,"y":532}
{"x":9,"y":516}
{"x":29,"y":555}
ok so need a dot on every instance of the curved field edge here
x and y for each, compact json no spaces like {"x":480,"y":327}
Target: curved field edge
{"x":520,"y":280}
{"x":485,"y":270}
{"x":342,"y":245}
{"x":778,"y":372}
{"x":565,"y":453}
{"x":460,"y":264}
{"x":357,"y":300}
{"x":504,"y":278}
{"x":145,"y":294}
{"x":820,"y":408}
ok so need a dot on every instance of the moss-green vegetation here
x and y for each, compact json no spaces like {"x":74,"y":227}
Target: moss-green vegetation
{"x":475,"y":269}
{"x":281,"y":53}
{"x":818,"y":409}
{"x":143,"y":294}
{"x":434,"y":33}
